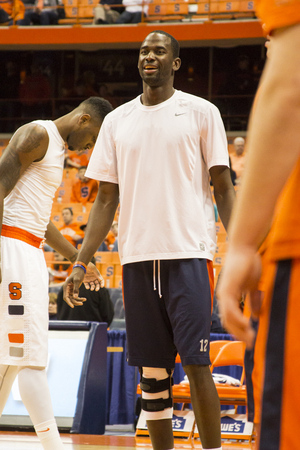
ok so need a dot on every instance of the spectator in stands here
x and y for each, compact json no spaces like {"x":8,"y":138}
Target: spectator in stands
{"x":102,"y":247}
{"x":35,"y":93}
{"x":52,"y":306}
{"x":104,"y":92}
{"x":11,"y":10}
{"x":84,"y":190}
{"x":4,"y":15}
{"x":112,"y":237}
{"x":133,"y":12}
{"x":106,"y":12}
{"x":232,"y":172}
{"x":61,"y":269}
{"x":70,"y":230}
{"x":97,"y":308}
{"x":114,"y":229}
{"x":43,"y":12}
{"x":76,"y":159}
{"x":238,"y":158}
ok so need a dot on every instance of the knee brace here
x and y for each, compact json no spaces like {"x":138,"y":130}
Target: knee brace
{"x":156,"y":385}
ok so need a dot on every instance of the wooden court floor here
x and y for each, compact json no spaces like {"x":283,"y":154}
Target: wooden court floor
{"x":28,"y":441}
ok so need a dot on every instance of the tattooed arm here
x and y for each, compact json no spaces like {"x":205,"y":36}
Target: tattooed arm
{"x":28,"y":144}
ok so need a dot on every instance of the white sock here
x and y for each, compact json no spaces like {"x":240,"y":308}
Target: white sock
{"x":35,"y":394}
{"x":49,"y":436}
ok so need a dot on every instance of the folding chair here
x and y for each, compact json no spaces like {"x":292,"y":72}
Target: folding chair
{"x":231,"y":354}
{"x":181,"y":391}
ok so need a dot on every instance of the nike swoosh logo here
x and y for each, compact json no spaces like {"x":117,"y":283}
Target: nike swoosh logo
{"x":179,"y":114}
{"x":44,"y":431}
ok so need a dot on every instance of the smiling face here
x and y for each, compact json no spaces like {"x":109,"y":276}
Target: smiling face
{"x":156,"y":62}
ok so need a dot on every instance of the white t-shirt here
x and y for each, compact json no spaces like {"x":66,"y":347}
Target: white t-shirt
{"x":160,"y":156}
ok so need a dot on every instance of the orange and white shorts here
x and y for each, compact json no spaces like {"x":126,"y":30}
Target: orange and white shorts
{"x":23,"y":303}
{"x":278,"y":360}
{"x":277,"y":13}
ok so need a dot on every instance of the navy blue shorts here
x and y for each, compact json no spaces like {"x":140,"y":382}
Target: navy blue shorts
{"x":157,"y":328}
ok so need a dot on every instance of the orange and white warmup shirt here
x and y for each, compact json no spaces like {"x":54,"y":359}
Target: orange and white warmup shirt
{"x":83,"y":192}
{"x":24,"y":288}
{"x":160,"y":157}
{"x":68,"y":231}
{"x":82,"y":159}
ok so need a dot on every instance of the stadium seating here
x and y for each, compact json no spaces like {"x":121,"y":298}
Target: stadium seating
{"x":79,"y":11}
{"x":179,"y":10}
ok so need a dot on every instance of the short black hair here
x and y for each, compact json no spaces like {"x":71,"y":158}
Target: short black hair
{"x":98,"y":107}
{"x":174,"y":43}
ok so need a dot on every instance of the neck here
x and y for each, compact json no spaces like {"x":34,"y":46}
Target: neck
{"x":65,"y":124}
{"x":154,"y":95}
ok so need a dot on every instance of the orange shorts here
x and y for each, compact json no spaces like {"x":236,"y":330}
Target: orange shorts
{"x":278,"y":13}
{"x":278,"y":361}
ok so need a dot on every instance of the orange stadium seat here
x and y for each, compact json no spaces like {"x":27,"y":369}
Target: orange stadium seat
{"x":108,"y":264}
{"x":161,"y":10}
{"x":232,"y":355}
{"x":222,"y":353}
{"x":79,"y":11}
{"x":222,"y":247}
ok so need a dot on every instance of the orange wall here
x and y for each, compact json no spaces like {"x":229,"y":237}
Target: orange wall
{"x":189,"y":34}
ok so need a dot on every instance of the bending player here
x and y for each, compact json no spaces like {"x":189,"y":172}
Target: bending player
{"x":31,"y":169}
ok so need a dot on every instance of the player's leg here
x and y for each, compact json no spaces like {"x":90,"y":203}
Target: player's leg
{"x":189,"y":309}
{"x":206,"y":405}
{"x":150,"y":345}
{"x":280,"y":410}
{"x":156,"y":385}
{"x":35,"y":395}
{"x":7,"y":377}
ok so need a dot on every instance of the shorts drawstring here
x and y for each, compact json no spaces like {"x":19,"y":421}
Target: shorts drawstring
{"x":158,"y":276}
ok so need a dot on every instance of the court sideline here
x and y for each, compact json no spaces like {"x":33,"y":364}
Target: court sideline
{"x":28,"y":441}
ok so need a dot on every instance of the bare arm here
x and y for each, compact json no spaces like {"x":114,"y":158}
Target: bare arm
{"x":273,"y":149}
{"x":223,"y":191}
{"x":56,"y":240}
{"x":28,"y":144}
{"x":99,"y":223}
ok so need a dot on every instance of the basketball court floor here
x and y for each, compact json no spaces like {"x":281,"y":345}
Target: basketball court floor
{"x":28,"y":441}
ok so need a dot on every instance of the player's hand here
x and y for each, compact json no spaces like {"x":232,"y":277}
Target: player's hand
{"x":71,"y":288}
{"x":256,"y":300}
{"x":240,"y":274}
{"x":93,"y":279}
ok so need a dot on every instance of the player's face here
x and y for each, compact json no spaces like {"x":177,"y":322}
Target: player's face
{"x":156,"y":63}
{"x":83,"y":138}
